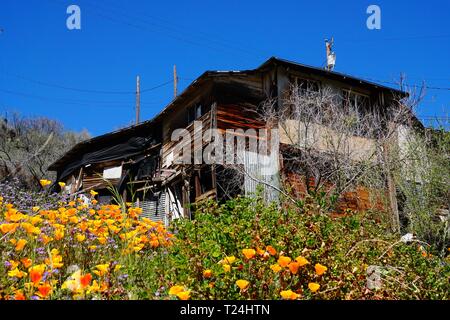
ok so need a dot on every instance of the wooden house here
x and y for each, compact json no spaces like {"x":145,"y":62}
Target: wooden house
{"x":141,"y":160}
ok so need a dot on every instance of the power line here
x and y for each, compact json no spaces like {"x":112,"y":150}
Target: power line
{"x":72,"y":102}
{"x":53,"y":85}
{"x":157,"y":87}
{"x":410,"y":85}
{"x":399,"y":38}
{"x":147,"y":25}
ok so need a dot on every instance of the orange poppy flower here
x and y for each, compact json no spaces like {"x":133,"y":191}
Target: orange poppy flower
{"x":21,"y":244}
{"x":301,"y":261}
{"x":242,"y":284}
{"x":284,"y":261}
{"x":207,"y":273}
{"x":320,"y":269}
{"x":293,"y":267}
{"x":249,"y":253}
{"x":289,"y":295}
{"x":275,"y":268}
{"x":19,"y":296}
{"x":184,"y":295}
{"x":313,"y":286}
{"x":271,"y":250}
{"x":36,"y":273}
{"x":44,"y":290}
{"x":85,"y":280}
{"x":27,"y":262}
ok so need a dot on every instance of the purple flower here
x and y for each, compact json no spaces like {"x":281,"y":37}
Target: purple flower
{"x":122,"y":277}
{"x":45,"y":275}
{"x":7,"y":264}
{"x":40,"y":251}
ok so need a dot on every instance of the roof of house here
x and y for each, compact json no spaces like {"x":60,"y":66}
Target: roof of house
{"x":329,"y":74}
{"x":86,"y":145}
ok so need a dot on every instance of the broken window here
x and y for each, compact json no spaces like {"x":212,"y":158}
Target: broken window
{"x":306,"y":86}
{"x":194,"y":112}
{"x":355,"y":101}
{"x":357,"y":107}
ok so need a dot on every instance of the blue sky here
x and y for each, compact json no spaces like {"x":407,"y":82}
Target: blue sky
{"x":40,"y":59}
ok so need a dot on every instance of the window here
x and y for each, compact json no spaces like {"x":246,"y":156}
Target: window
{"x":355,"y":101}
{"x":306,"y":86}
{"x":194,"y":112}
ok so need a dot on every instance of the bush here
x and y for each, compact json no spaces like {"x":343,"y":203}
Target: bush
{"x":306,"y":238}
{"x":242,"y":249}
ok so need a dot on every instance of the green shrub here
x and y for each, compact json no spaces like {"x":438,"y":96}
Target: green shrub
{"x":345,"y":245}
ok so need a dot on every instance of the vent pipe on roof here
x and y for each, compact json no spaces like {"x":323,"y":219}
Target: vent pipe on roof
{"x":331,"y":56}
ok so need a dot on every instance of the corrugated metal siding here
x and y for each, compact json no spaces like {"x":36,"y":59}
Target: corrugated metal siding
{"x":154,"y":208}
{"x":256,"y":173}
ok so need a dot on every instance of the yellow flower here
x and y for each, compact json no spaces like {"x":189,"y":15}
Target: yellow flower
{"x":21,"y":244}
{"x":61,"y":185}
{"x":45,"y":182}
{"x":229,"y":260}
{"x":35,"y":220}
{"x":284,"y":261}
{"x":102,"y":269}
{"x":207,"y":273}
{"x":301,"y":261}
{"x":242,"y":284}
{"x":93,"y":193}
{"x":249,"y":253}
{"x":226,"y":267}
{"x":16,"y":273}
{"x":117,"y":267}
{"x":59,"y":234}
{"x":73,"y":283}
{"x":55,"y":260}
{"x":74,"y":220}
{"x":289,"y":295}
{"x":46,"y":239}
{"x":13,"y":264}
{"x":35,"y":209}
{"x":80,"y":237}
{"x":8,"y":227}
{"x":184,"y":295}
{"x":275,"y":268}
{"x":313,"y":286}
{"x":320,"y":269}
{"x":174,"y":290}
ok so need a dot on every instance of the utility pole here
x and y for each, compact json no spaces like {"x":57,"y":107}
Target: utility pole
{"x":175,"y":81}
{"x":138,"y":99}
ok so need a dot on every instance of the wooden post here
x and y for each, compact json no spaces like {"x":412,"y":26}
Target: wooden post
{"x":175,"y":81}
{"x":214,"y":126}
{"x":391,"y":185}
{"x":138,"y":99}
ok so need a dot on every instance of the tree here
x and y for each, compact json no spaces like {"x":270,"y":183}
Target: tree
{"x":29,"y":145}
